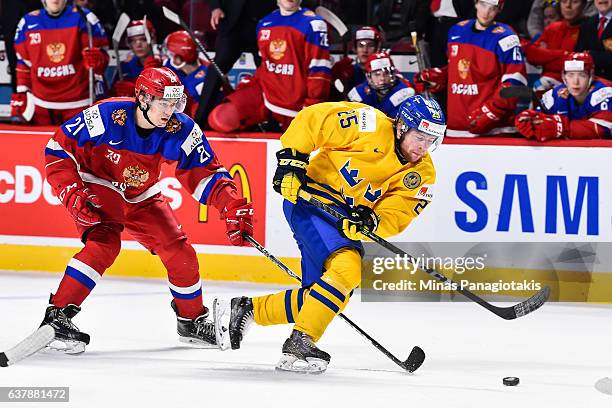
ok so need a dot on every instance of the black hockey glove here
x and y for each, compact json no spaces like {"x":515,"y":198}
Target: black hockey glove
{"x":361,"y":220}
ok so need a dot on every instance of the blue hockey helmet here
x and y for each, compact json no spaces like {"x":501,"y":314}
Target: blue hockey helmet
{"x":424,"y":115}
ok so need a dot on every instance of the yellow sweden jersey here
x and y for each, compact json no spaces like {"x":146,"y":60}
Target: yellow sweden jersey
{"x":357,"y":161}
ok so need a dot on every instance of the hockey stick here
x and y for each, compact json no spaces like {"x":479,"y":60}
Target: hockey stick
{"x":417,"y":355}
{"x":520,"y":91}
{"x":90,"y":37}
{"x":420,"y":59}
{"x":122,"y":24}
{"x":30,"y":345}
{"x":341,"y":28}
{"x":176,"y":19}
{"x":509,"y":313}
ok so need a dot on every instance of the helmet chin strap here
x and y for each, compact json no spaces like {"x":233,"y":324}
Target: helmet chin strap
{"x":145,"y":113}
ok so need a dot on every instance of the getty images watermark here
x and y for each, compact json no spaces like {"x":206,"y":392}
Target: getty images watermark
{"x":403,"y":273}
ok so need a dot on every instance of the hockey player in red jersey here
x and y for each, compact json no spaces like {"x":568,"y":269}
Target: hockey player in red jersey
{"x":350,"y":72}
{"x":104,"y":166}
{"x":577,"y":109}
{"x":140,"y":57}
{"x":483,"y":57}
{"x":182,"y":57}
{"x":294,"y":72}
{"x":556,"y":42}
{"x":384,"y":89}
{"x":53,"y":61}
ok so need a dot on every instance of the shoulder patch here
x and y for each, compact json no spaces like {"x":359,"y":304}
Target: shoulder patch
{"x":34,"y":13}
{"x":93,"y":120}
{"x":354,"y":96}
{"x":193,"y":140}
{"x":401,"y":95}
{"x":426,"y":192}
{"x":412,"y":180}
{"x":498,"y":30}
{"x":92,"y":18}
{"x":548,"y":100}
{"x":509,"y":42}
{"x":601,"y":95}
{"x":367,"y":119}
{"x":309,"y":13}
{"x":319,"y":25}
{"x":462,"y":23}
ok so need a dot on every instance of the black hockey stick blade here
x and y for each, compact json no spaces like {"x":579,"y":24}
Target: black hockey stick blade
{"x":525,"y":307}
{"x":518,"y":91}
{"x":414,"y":360}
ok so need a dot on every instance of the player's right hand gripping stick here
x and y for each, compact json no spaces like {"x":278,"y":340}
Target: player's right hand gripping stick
{"x":361,"y":220}
{"x":290,"y":173}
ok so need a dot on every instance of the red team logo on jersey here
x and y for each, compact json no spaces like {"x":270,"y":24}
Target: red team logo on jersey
{"x":56,"y":51}
{"x":464,"y":67}
{"x":134,"y":176}
{"x":277,"y":49}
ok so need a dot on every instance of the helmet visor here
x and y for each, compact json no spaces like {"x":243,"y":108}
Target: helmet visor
{"x":169,"y":105}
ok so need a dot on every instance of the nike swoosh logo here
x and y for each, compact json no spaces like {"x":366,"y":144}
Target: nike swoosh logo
{"x":454,"y":37}
{"x":32,"y":26}
{"x":112,"y":143}
{"x":266,"y":23}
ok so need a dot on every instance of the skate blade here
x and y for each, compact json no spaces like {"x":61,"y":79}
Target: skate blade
{"x":71,"y":347}
{"x":196,"y":343}
{"x":221,"y":317}
{"x":290,"y":363}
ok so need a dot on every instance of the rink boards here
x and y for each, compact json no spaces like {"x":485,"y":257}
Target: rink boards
{"x":487,"y":191}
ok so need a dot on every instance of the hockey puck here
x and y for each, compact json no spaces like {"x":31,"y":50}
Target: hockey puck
{"x":511,"y":381}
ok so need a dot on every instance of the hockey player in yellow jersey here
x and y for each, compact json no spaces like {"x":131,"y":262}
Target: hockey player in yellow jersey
{"x":375,"y":170}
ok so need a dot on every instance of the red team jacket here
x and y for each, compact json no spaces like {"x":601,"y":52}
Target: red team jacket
{"x":100,"y":145}
{"x":49,"y":60}
{"x":550,"y":49}
{"x":295,"y":68}
{"x":479,"y":64}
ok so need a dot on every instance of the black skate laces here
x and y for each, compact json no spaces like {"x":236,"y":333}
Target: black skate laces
{"x":205,"y":328}
{"x":64,"y":320}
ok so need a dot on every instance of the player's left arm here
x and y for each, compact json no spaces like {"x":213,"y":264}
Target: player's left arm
{"x":318,"y":61}
{"x":97,"y":56}
{"x":201,"y":173}
{"x":598,"y":125}
{"x":511,"y":61}
{"x":395,"y":212}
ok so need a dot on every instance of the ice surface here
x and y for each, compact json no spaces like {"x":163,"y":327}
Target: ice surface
{"x":135,"y":359}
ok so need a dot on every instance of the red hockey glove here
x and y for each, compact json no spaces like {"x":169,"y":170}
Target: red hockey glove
{"x":523,"y":123}
{"x":95,"y":58}
{"x":124,"y":88}
{"x":483,"y":119}
{"x":18,"y":104}
{"x":152,"y":62}
{"x":343,"y":70}
{"x":81,"y":203}
{"x":549,"y":127}
{"x":238,"y":216}
{"x":433,"y":79}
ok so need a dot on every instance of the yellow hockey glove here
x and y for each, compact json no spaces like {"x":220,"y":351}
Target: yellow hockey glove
{"x":361,"y":220}
{"x":290,"y":173}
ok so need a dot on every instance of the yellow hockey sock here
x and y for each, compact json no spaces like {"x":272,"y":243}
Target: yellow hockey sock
{"x":278,"y":308}
{"x":329,"y":295}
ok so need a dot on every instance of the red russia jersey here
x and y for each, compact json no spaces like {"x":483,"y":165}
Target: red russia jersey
{"x":479,"y":62}
{"x":549,"y":50}
{"x":49,"y":59}
{"x":101,"y":145}
{"x":295,"y":69}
